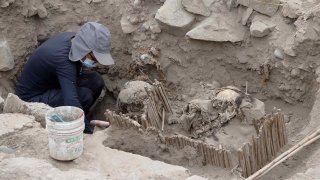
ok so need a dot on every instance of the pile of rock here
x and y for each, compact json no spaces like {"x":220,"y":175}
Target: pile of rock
{"x":6,"y":57}
{"x":220,"y":24}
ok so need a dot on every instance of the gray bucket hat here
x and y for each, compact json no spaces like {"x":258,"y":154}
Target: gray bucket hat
{"x":93,"y":37}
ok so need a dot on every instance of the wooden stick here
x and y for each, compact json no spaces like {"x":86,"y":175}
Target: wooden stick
{"x":275,"y":137}
{"x":154,"y":118}
{"x":119,"y":120}
{"x":276,"y":134}
{"x":159,"y":100}
{"x":166,"y":97}
{"x":284,"y":130}
{"x":176,"y":141}
{"x":212,"y":155}
{"x":194,"y":144}
{"x":221,"y":161}
{"x":166,"y":140}
{"x":188,"y":142}
{"x":208,"y":154}
{"x":246,"y":87}
{"x":216,"y":156}
{"x":155,"y":114}
{"x":247,"y":159}
{"x":226,"y":160}
{"x":258,"y":152}
{"x":229,"y":159}
{"x":150,"y":116}
{"x":163,"y":117}
{"x":255,"y":154}
{"x":266,"y":142}
{"x":242,"y":163}
{"x":180,"y":142}
{"x":252,"y":159}
{"x":183,"y":141}
{"x":303,"y":143}
{"x":263,"y":148}
{"x":201,"y":151}
{"x":280,"y":133}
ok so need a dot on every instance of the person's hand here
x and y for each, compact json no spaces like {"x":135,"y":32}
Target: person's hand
{"x":100,"y":124}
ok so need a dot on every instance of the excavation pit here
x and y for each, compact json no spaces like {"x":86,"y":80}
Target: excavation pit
{"x":238,"y":146}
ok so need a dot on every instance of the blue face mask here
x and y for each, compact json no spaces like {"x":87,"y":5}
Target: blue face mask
{"x":88,"y":63}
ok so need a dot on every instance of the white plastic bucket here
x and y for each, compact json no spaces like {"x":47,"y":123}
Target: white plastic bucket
{"x":65,"y":138}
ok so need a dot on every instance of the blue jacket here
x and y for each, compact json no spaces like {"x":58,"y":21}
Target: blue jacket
{"x":49,"y":67}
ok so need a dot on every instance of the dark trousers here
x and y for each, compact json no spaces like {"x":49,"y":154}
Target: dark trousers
{"x":90,"y":85}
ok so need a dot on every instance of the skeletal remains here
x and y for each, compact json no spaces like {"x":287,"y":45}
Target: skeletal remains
{"x":200,"y":117}
{"x":203,"y":117}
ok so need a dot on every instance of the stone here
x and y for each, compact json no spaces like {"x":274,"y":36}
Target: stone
{"x":231,"y":4}
{"x":6,"y":57}
{"x":195,"y":177}
{"x":6,"y":3}
{"x":133,"y":19}
{"x":292,"y":8}
{"x":29,"y":10}
{"x":136,"y":3}
{"x":219,"y":28}
{"x":12,"y":122}
{"x":145,"y":57}
{"x":154,"y":27}
{"x":295,"y":72}
{"x":7,"y":150}
{"x":155,"y":51}
{"x":196,"y":7}
{"x":139,"y":37}
{"x":42,"y":11}
{"x":261,"y":27}
{"x":126,"y":26}
{"x":1,"y":104}
{"x":256,"y":110}
{"x":208,"y":3}
{"x":31,"y":168}
{"x":145,"y":27}
{"x":278,"y":53}
{"x":173,"y":14}
{"x":13,"y":104}
{"x":267,"y":7}
{"x":289,"y":47}
{"x":246,"y":16}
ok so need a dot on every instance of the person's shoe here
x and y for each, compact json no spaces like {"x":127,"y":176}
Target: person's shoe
{"x":100,"y":124}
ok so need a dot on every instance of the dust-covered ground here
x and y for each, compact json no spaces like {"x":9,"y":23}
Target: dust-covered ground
{"x":188,"y":45}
